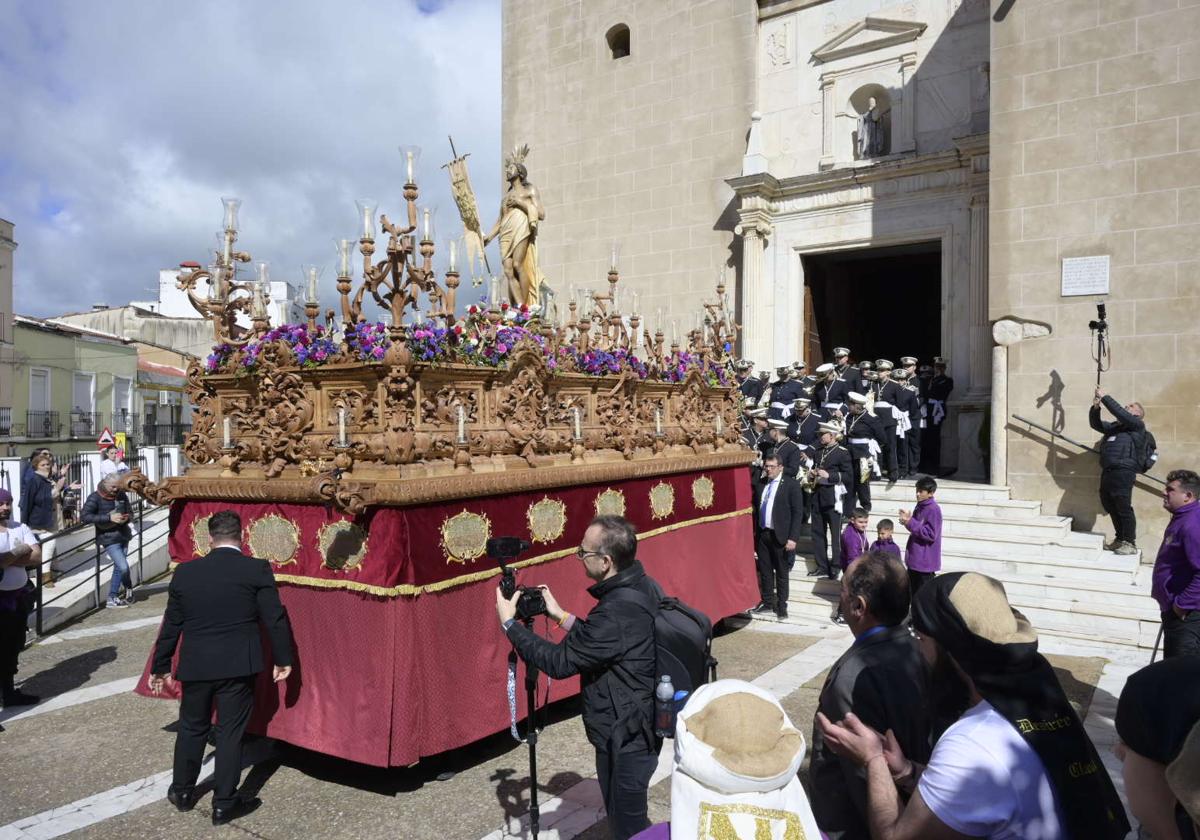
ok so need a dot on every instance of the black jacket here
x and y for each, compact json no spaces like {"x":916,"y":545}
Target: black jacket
{"x":97,"y":511}
{"x":863,"y":427}
{"x":888,"y":392}
{"x":882,"y":679}
{"x":788,"y":453}
{"x":835,"y":460}
{"x":217,"y":602}
{"x":1121,"y":447}
{"x":612,"y":650}
{"x":37,"y":503}
{"x":787,"y":510}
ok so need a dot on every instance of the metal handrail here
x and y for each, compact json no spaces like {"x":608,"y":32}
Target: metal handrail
{"x":95,"y":558}
{"x":1091,"y":449}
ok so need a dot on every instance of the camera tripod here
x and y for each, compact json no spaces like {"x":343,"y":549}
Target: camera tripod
{"x":531,"y":727}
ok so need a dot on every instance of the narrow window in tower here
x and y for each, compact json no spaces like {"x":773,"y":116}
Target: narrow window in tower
{"x":618,"y":40}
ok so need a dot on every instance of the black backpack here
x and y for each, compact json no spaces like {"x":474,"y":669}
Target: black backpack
{"x":682,"y":641}
{"x":1145,"y":451}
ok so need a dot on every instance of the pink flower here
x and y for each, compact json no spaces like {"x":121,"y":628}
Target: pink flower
{"x":502,"y":348}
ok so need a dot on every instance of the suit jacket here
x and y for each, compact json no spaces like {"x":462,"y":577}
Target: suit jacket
{"x":787,"y":510}
{"x":883,"y":680}
{"x":217,"y":602}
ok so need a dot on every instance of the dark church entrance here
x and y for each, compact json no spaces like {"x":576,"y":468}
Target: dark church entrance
{"x":882,"y":303}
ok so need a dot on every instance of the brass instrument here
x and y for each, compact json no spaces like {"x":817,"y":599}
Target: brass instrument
{"x":810,"y":480}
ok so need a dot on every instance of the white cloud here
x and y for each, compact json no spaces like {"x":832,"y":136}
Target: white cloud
{"x":127,"y":121}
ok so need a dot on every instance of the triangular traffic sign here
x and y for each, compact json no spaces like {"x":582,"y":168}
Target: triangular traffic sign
{"x":106,"y":438}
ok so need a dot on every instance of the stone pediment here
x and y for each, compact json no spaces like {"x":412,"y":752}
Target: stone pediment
{"x":868,"y":35}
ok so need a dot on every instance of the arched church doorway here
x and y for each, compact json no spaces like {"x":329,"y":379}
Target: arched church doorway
{"x":882,"y":303}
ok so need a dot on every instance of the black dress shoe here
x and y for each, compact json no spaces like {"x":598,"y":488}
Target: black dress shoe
{"x":781,"y":613}
{"x":182,"y":801}
{"x":814,"y":573}
{"x":20,"y":698}
{"x":763,"y":608}
{"x":221,"y":816}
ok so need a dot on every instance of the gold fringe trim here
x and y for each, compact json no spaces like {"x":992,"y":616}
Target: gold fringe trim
{"x":474,"y":577}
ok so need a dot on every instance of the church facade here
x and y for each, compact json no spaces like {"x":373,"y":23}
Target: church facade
{"x":895,"y":177}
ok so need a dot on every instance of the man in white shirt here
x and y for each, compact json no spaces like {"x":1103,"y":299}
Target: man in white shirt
{"x":19,"y":552}
{"x":1015,"y":764}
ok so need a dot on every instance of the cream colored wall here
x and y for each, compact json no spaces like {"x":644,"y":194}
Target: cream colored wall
{"x":633,"y":149}
{"x":1096,"y":150}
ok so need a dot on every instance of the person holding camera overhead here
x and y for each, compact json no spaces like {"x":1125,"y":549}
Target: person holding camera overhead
{"x":612,"y":649}
{"x":1120,"y":462}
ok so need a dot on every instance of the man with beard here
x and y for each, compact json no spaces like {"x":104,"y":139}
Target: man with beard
{"x":881,"y":678}
{"x":1015,"y":763}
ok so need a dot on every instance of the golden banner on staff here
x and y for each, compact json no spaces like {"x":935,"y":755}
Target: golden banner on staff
{"x":468,"y":210}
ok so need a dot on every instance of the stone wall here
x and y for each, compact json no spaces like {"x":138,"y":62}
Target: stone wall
{"x":1096,"y":150}
{"x":632,"y":149}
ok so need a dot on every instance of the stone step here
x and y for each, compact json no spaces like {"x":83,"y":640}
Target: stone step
{"x":1004,"y":509}
{"x":948,"y":491}
{"x":1123,"y":593}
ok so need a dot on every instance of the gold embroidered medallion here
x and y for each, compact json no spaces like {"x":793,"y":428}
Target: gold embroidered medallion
{"x":662,"y":500}
{"x":703,"y":492}
{"x":547,"y":519}
{"x":343,"y":545}
{"x":465,"y":536}
{"x":610,"y":503}
{"x":273,"y":538}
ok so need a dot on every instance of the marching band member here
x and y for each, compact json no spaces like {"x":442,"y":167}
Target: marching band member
{"x":783,"y":390}
{"x":885,"y":391}
{"x":806,"y":432}
{"x":906,"y":402}
{"x":785,"y":449}
{"x":750,"y":387}
{"x":909,"y":363}
{"x":864,"y":439}
{"x":841,"y":365}
{"x":829,"y":394}
{"x":830,"y":479}
{"x":939,"y":392}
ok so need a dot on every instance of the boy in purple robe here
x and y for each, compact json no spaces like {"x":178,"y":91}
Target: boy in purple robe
{"x":854,"y":545}
{"x":883,"y":538}
{"x":923,"y":553}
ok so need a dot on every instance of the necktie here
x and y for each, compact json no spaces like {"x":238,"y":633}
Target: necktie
{"x":766,"y":506}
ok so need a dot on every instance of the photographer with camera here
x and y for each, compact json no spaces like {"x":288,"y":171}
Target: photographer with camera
{"x":1121,"y":459}
{"x":613,"y":651}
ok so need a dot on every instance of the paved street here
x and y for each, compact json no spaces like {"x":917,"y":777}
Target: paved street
{"x":94,"y":759}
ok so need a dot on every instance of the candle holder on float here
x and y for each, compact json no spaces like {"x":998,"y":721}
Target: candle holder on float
{"x":462,"y":445}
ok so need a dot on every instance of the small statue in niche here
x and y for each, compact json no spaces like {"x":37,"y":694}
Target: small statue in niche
{"x":871,"y":140}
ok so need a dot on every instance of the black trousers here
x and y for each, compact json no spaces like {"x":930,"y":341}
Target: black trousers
{"x":890,"y":466}
{"x":914,"y":447}
{"x":860,"y":491}
{"x":12,"y":640}
{"x":624,"y":785}
{"x":1116,"y":496}
{"x":1181,"y":636}
{"x":830,"y":519}
{"x":902,"y":454}
{"x":916,"y":580}
{"x":234,"y":699}
{"x":774,"y":565}
{"x":806,"y":507}
{"x":931,"y":448}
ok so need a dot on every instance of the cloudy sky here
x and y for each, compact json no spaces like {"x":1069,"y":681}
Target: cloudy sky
{"x":123,"y":123}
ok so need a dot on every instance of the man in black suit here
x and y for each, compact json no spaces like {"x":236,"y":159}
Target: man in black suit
{"x":217,"y":602}
{"x":881,"y":679}
{"x":778,"y":520}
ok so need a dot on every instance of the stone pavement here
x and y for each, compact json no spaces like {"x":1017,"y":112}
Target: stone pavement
{"x":93,"y":760}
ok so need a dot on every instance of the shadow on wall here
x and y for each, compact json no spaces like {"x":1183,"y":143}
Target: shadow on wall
{"x":1053,"y":395}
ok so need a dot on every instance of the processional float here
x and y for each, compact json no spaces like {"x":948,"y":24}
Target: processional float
{"x":372,"y":460}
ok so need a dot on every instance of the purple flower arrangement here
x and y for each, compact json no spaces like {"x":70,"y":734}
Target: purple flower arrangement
{"x":474,"y":341}
{"x":367,"y":341}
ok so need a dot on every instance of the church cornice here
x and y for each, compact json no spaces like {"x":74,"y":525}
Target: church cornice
{"x":768,"y":9}
{"x":957,"y":168}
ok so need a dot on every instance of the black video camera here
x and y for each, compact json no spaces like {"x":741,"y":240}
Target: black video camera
{"x":504,"y":550}
{"x":1100,"y":324}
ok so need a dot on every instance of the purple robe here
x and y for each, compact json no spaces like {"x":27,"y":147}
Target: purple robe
{"x":854,"y":545}
{"x":888,"y":545}
{"x":923,"y":553}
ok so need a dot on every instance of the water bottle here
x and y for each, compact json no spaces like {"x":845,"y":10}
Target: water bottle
{"x":664,"y":708}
